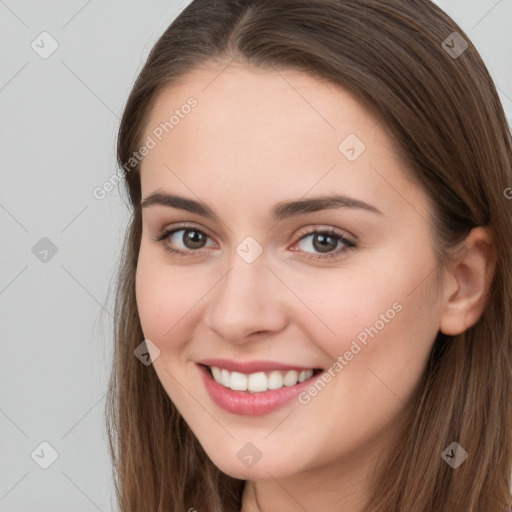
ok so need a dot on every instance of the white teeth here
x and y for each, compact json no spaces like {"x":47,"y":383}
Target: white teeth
{"x":216,"y":373}
{"x":225,"y":378}
{"x":238,"y":381}
{"x":290,"y":379}
{"x":275,"y":380}
{"x":259,"y":381}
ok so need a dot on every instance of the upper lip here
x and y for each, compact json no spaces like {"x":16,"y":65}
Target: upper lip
{"x":252,"y":366}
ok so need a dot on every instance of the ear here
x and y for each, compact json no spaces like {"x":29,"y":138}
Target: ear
{"x":468,"y":282}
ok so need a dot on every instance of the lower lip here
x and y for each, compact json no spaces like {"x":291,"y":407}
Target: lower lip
{"x":250,"y":404}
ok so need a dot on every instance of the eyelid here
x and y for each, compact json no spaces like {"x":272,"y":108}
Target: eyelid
{"x":302,"y":232}
{"x":349,"y":241}
{"x":167,"y":231}
{"x":184,"y":225}
{"x":323,"y":227}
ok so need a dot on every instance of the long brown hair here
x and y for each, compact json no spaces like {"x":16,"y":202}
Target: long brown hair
{"x":444,"y":114}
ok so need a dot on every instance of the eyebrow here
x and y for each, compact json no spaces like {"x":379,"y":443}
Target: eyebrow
{"x":280,"y":211}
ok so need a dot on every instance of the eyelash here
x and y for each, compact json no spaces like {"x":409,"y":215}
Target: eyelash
{"x":349,"y":244}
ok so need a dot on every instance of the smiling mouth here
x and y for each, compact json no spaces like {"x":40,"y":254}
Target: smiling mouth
{"x":259,"y":382}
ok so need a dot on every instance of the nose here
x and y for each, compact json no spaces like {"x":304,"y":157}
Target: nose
{"x":246,"y":303}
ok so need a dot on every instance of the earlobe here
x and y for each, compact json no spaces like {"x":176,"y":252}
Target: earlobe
{"x":469,"y":282}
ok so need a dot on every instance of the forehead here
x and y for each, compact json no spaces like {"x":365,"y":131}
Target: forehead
{"x":264,"y":102}
{"x":265,"y":132}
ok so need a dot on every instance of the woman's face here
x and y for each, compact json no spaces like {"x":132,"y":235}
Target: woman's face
{"x":257,"y":291}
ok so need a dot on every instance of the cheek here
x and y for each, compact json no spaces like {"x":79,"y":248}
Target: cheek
{"x":165,"y":296}
{"x":387,"y":318}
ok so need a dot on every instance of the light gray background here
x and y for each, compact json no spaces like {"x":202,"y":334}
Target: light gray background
{"x":59,"y":121}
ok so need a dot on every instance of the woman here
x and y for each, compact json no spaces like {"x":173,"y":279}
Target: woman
{"x":316,"y":280}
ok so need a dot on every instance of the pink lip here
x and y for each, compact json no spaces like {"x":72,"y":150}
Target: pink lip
{"x":250,"y":404}
{"x":251,"y":366}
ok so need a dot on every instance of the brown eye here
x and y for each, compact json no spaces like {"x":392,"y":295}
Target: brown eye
{"x":325,"y":244}
{"x":183,"y":240}
{"x":193,"y":239}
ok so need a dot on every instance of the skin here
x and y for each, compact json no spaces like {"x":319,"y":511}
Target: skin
{"x":255,"y":138}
